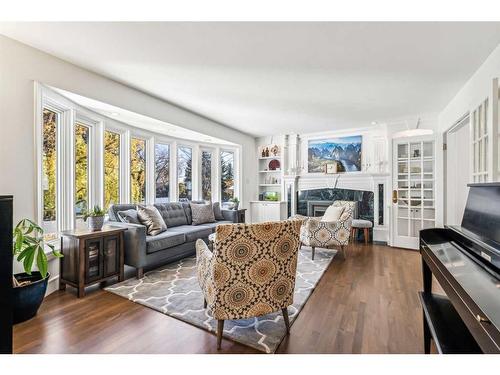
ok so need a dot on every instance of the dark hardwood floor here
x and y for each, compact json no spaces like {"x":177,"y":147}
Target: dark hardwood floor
{"x":367,"y":303}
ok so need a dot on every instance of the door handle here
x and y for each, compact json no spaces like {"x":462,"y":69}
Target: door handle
{"x":481,"y":319}
{"x":394,"y":196}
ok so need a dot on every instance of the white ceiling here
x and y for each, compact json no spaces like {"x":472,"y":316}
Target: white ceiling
{"x":139,"y":121}
{"x":268,"y":78}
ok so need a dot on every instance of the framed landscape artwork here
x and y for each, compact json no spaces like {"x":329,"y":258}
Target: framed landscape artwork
{"x":346,"y":151}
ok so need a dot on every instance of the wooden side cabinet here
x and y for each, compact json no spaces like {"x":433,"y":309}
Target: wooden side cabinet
{"x":91,"y":257}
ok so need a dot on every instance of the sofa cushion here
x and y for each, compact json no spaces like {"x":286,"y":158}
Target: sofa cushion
{"x":191,"y":232}
{"x":202,"y":213}
{"x":217,"y":211}
{"x":128,"y":216}
{"x":151,"y":218}
{"x":115,"y":208}
{"x":172,"y":213}
{"x":164,"y":241}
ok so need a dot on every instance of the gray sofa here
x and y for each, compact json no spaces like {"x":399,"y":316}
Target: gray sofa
{"x":143,"y":251}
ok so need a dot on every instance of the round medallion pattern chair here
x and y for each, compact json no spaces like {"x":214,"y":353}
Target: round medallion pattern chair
{"x":316,"y":233}
{"x":251,"y":271}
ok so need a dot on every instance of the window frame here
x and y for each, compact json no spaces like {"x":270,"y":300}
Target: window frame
{"x":235,"y":172}
{"x":213,"y":167}
{"x":93,"y":170}
{"x":121,"y":163}
{"x":147,"y":167}
{"x":159,"y":141}
{"x":193,"y":173}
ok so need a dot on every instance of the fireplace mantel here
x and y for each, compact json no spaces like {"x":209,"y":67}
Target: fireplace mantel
{"x":353,"y":180}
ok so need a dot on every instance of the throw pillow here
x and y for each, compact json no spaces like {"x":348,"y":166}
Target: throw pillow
{"x":202,"y":213}
{"x":217,"y":211}
{"x":332,"y":213}
{"x":128,"y":216}
{"x":151,"y":218}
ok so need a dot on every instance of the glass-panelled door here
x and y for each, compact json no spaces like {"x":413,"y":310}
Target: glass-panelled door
{"x":413,"y":196}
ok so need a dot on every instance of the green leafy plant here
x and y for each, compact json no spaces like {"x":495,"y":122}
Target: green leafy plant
{"x":234,"y":200}
{"x":95,"y":212}
{"x":29,"y":245}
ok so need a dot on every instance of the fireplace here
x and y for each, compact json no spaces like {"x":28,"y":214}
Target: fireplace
{"x":310,"y":194}
{"x":317,"y":208}
{"x":313,"y":202}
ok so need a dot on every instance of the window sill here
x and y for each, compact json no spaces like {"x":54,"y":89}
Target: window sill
{"x":48,"y":251}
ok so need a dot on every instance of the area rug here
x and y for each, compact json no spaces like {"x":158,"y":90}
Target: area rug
{"x":173,"y":290}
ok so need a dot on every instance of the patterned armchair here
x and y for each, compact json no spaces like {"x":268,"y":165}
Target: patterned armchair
{"x":251,"y":271}
{"x":317,"y":233}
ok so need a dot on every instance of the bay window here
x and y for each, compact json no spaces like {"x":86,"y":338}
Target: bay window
{"x":162,"y":173}
{"x":206,"y":175}
{"x":82,"y":139}
{"x":184,"y":172}
{"x":137,"y":170}
{"x":49,"y":172}
{"x":85,"y":159}
{"x":112,"y":147}
{"x":227,"y":175}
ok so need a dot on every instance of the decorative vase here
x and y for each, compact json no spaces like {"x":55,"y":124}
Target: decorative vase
{"x":28,"y":298}
{"x":95,"y":223}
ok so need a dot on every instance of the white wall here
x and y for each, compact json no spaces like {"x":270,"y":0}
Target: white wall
{"x":475,"y":90}
{"x":21,"y":65}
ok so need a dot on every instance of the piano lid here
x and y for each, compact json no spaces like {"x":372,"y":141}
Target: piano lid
{"x":482,"y":212}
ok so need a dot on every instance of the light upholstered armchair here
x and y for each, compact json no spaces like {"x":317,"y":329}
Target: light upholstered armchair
{"x":324,"y":234}
{"x":251,"y":271}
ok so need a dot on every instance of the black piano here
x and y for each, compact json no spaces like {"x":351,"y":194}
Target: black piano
{"x":465,"y":260}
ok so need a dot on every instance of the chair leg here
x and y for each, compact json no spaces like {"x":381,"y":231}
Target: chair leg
{"x":300,"y":246}
{"x":342,"y":249}
{"x":313,"y":248}
{"x":140,"y":272}
{"x":286,"y":319}
{"x":366,"y":233}
{"x":204,"y":303}
{"x":220,"y":329}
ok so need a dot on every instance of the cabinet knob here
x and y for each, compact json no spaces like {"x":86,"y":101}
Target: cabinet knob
{"x":482,"y":319}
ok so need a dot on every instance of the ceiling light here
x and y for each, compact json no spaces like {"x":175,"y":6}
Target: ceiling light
{"x":374,"y":122}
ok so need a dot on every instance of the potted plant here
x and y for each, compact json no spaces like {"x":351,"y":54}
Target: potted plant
{"x":95,"y":217}
{"x":30,"y":286}
{"x":236,"y":202}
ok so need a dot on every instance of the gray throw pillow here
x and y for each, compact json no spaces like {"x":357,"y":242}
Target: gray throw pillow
{"x":217,"y":211}
{"x":202,"y":213}
{"x":150,"y":217}
{"x":128,"y":216}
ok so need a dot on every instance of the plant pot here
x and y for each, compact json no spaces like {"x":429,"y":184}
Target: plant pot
{"x":95,"y":223}
{"x":236,"y":205}
{"x":28,"y":298}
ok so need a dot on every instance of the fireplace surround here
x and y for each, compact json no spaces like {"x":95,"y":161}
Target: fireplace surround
{"x":309,"y":194}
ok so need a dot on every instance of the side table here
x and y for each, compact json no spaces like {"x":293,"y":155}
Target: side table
{"x":91,"y":257}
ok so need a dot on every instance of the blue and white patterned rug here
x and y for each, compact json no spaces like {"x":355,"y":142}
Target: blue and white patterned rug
{"x":173,"y":290}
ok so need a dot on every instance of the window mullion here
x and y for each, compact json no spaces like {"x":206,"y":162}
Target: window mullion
{"x":196,"y":173}
{"x":66,"y":171}
{"x":216,"y":192}
{"x":125,"y":179}
{"x":97,"y":165}
{"x":150,"y":171}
